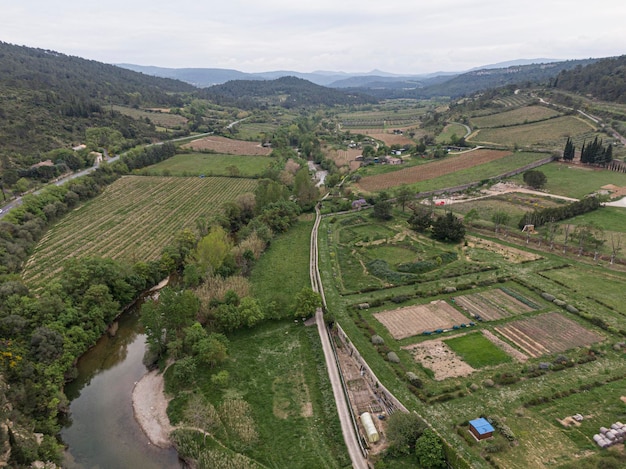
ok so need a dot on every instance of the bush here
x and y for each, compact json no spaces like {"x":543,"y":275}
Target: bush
{"x":377,"y":340}
{"x":393,"y":357}
{"x":548,"y":296}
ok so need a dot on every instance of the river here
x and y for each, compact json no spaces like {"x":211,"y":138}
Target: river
{"x":102,"y":432}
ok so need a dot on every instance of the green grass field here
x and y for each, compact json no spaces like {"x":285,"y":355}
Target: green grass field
{"x":278,"y":370}
{"x":551,"y":133}
{"x":283,"y":270}
{"x":449,"y":131}
{"x":132,"y":220}
{"x":518,"y":116}
{"x":210,"y":164}
{"x":477,"y":351}
{"x":577,"y":181}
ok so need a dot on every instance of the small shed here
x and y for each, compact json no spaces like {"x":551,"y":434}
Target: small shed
{"x":481,"y":428}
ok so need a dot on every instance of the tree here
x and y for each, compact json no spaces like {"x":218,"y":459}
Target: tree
{"x":213,"y":249}
{"x":212,"y":350}
{"x":429,"y":451}
{"x":306,"y":303}
{"x":448,"y":228}
{"x":569,"y":151}
{"x":403,"y":430}
{"x":404,"y":195}
{"x":304,"y":189}
{"x":421,"y":219}
{"x":535,"y":179}
{"x":382,"y":210}
{"x":499,"y":218}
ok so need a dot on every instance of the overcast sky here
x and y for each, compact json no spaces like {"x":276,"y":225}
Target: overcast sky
{"x":398,"y":36}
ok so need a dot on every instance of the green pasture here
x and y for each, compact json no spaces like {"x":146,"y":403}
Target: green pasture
{"x":283,"y":270}
{"x":162,"y":119}
{"x":551,"y":133}
{"x":606,"y":218}
{"x":523,"y":115}
{"x":210,"y":164}
{"x":278,"y":370}
{"x":576,"y":180}
{"x":449,"y":131}
{"x":477,"y":351}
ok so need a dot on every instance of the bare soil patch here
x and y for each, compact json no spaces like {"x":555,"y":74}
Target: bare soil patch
{"x":491,"y":304}
{"x":438,"y":357}
{"x":228,"y":146}
{"x":511,"y":254}
{"x":345,"y":158}
{"x":413,"y":320}
{"x":547,"y":333}
{"x":432,"y":170}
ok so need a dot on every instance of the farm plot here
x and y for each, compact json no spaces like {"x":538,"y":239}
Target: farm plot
{"x":424,"y":172}
{"x":518,"y":116}
{"x":134,"y":219}
{"x":228,"y":146}
{"x":413,"y":320}
{"x":437,"y":356}
{"x":493,"y":304}
{"x":547,"y":333}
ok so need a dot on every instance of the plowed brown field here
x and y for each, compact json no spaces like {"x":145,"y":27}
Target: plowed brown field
{"x":228,"y":146}
{"x":432,"y":170}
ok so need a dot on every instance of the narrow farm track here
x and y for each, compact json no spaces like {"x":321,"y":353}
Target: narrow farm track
{"x":350,"y":434}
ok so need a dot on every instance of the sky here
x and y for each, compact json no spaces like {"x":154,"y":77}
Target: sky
{"x":396,"y":36}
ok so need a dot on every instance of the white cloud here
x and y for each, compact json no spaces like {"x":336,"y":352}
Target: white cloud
{"x":352,"y":35}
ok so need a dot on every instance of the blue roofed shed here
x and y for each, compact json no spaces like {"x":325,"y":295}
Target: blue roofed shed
{"x":481,"y":428}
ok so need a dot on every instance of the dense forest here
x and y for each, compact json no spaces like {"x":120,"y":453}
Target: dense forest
{"x":48,"y":100}
{"x":604,"y":79}
{"x":288,"y":92}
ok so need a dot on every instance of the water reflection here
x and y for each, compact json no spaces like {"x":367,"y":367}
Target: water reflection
{"x":103,"y":432}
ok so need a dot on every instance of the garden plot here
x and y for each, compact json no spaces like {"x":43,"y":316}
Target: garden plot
{"x":439,"y":357}
{"x":547,"y":333}
{"x":413,"y":320}
{"x":492,"y":304}
{"x":511,"y":254}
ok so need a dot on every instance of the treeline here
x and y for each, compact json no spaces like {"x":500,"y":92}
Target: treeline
{"x":604,"y":79}
{"x":555,"y":214}
{"x":288,"y":92}
{"x":591,"y":153}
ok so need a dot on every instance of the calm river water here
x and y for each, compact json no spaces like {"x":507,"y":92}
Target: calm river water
{"x":103,"y":432}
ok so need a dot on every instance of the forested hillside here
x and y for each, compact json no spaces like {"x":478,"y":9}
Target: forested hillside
{"x":47,"y":99}
{"x":288,"y":92}
{"x":604,"y":79}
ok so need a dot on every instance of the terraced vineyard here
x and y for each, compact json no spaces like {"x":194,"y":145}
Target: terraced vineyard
{"x":133,"y":219}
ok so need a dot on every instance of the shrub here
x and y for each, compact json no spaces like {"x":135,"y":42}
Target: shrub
{"x":377,"y":340}
{"x":548,"y":296}
{"x":572,"y":309}
{"x":393,"y":357}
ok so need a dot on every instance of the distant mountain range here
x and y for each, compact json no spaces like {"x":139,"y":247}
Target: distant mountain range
{"x":205,"y":77}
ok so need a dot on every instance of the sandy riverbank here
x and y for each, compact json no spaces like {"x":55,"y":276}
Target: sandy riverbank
{"x":150,"y":409}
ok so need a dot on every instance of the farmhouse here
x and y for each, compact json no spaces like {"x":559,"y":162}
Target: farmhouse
{"x":481,"y":428}
{"x":393,"y":160}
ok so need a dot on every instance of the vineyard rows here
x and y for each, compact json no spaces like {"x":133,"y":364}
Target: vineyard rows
{"x":134,"y":219}
{"x":547,"y":333}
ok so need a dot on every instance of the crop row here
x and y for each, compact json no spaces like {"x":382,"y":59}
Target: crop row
{"x":132,"y":220}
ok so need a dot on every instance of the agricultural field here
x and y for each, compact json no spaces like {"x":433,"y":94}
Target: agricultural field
{"x":525,"y":346}
{"x":547,"y":333}
{"x":573,"y":180}
{"x":387,"y":136}
{"x":495,"y":303}
{"x":160,"y":117}
{"x":435,"y":169}
{"x":413,"y":320}
{"x":133,"y":219}
{"x":550,"y":134}
{"x":228,"y":146}
{"x":523,"y":115}
{"x":210,"y":164}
